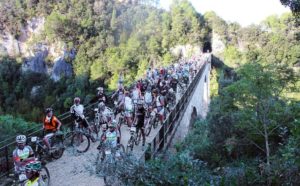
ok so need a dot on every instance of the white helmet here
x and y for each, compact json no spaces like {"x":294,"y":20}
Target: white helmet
{"x":21,"y":139}
{"x":171,"y":90}
{"x":112,"y":124}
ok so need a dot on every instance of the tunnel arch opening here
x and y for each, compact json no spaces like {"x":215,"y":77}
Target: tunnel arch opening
{"x":207,"y":47}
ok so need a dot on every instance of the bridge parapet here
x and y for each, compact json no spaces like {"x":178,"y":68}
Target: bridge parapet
{"x":165,"y":134}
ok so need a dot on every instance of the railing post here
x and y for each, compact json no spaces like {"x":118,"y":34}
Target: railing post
{"x":7,"y":160}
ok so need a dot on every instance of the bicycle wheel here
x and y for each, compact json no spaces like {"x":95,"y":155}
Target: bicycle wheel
{"x":129,"y":147}
{"x":100,"y":163}
{"x":45,"y":175}
{"x":138,"y":137}
{"x":155,"y":122}
{"x":81,"y":142}
{"x":148,"y":127}
{"x":110,"y":171}
{"x":94,"y":131}
{"x":121,"y":148}
{"x":59,"y":150}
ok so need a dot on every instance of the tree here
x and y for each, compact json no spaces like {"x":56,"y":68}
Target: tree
{"x":294,"y":5}
{"x":261,"y":110}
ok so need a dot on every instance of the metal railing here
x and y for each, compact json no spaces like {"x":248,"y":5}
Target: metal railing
{"x":166,"y":131}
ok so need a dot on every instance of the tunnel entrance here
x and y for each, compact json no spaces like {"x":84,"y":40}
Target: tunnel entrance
{"x":207,"y":47}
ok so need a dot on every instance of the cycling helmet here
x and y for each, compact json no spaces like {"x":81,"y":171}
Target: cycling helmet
{"x":171,"y":90}
{"x":21,"y":139}
{"x":33,"y":166}
{"x":112,"y":124}
{"x":77,"y":100}
{"x":100,"y":89}
{"x":48,"y":110}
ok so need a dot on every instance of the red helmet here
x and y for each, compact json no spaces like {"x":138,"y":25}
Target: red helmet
{"x":77,"y":100}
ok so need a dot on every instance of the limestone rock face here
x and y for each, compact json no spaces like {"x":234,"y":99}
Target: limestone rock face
{"x":218,"y":46}
{"x":61,"y":68}
{"x":35,"y":49}
{"x":36,"y":63}
{"x":186,"y":50}
{"x":9,"y":46}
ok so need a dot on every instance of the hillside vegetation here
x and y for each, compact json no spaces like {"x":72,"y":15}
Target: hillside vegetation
{"x":109,"y":37}
{"x":251,"y":135}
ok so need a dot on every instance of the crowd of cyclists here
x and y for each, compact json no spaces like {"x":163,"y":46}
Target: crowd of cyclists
{"x":156,"y":93}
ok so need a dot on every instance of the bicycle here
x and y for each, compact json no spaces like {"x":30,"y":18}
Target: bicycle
{"x":106,"y":162}
{"x":135,"y":138}
{"x":80,"y":139}
{"x":57,"y":146}
{"x":20,"y":177}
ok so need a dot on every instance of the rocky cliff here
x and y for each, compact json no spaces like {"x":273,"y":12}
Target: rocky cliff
{"x":34,"y":49}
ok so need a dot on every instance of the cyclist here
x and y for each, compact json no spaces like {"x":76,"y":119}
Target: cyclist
{"x":140,"y":115}
{"x":33,"y":174}
{"x":22,"y":155}
{"x":51,"y":125}
{"x":136,"y":93}
{"x":128,"y":106}
{"x":112,"y":135}
{"x":120,"y":96}
{"x":174,"y":82}
{"x":105,"y":113}
{"x":77,"y":111}
{"x":148,"y":96}
{"x":101,"y":96}
{"x":159,"y":104}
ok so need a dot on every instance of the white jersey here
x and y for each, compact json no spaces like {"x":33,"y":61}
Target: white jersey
{"x":148,"y":97}
{"x":77,"y":110}
{"x":135,"y":94}
{"x":158,"y":104}
{"x":128,"y":104}
{"x":107,"y":112}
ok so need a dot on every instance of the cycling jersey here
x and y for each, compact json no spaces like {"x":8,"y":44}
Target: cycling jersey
{"x":111,"y":137}
{"x":36,"y":182}
{"x":77,"y":110}
{"x":50,"y":123}
{"x":106,"y":115}
{"x":148,"y":97}
{"x":158,"y":101}
{"x":135,"y":95}
{"x":128,"y":104}
{"x":20,"y":155}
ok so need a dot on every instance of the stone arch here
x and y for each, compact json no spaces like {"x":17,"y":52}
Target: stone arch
{"x":207,"y":47}
{"x":194,"y":116}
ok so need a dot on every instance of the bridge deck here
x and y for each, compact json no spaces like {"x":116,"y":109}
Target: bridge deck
{"x":79,"y":169}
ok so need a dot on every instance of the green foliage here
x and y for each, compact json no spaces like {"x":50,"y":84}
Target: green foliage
{"x":176,"y":169}
{"x":11,"y":126}
{"x":232,"y":57}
